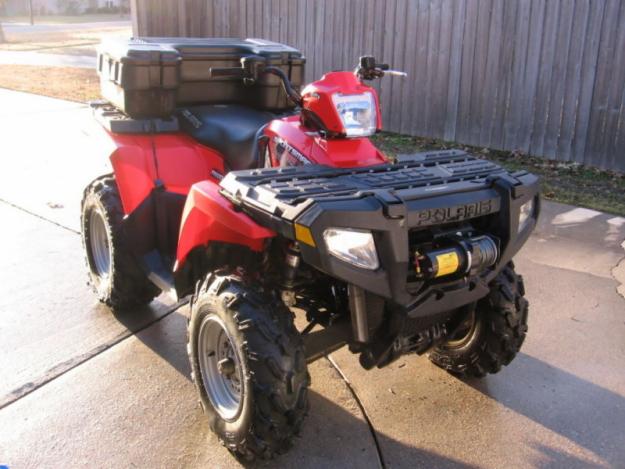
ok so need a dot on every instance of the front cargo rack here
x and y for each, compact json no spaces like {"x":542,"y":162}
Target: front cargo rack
{"x":287,"y":192}
{"x":435,"y":191}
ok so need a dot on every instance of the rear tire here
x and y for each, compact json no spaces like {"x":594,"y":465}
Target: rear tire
{"x":260,"y":404}
{"x":114,"y":273}
{"x":494,"y":332}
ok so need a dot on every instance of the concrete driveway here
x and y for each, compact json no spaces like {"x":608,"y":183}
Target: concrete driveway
{"x":59,"y":44}
{"x":83,"y":387}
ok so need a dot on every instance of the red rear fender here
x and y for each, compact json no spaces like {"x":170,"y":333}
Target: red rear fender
{"x":175,"y":159}
{"x":134,"y":168}
{"x":208,"y":217}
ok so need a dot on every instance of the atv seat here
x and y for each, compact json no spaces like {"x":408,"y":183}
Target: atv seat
{"x":229,"y":129}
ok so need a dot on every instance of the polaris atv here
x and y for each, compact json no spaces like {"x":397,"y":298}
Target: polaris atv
{"x":263,"y":208}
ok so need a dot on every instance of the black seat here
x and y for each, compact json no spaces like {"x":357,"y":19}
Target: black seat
{"x":229,"y":129}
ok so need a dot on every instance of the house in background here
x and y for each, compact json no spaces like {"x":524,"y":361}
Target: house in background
{"x":65,"y":7}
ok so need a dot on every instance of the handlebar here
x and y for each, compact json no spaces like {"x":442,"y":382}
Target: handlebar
{"x":249,"y":71}
{"x":286,"y":83}
{"x":252,"y":67}
{"x":396,"y":73}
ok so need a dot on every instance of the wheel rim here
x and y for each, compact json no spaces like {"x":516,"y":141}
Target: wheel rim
{"x":464,"y":332}
{"x":99,"y":242}
{"x":220,"y":367}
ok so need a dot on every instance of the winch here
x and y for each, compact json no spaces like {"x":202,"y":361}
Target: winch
{"x":458,"y":256}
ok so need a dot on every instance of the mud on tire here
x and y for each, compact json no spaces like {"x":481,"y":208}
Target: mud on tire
{"x":124,"y":285}
{"x":497,"y":332}
{"x":274,"y":398}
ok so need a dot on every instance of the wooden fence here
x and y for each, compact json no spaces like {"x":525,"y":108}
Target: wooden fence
{"x":543,"y":77}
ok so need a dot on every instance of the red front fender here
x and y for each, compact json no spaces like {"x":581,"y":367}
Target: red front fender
{"x":208,"y":216}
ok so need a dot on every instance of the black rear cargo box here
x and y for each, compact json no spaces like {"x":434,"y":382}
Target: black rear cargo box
{"x":150,"y":77}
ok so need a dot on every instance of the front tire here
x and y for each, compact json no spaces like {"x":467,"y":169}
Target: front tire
{"x":114,"y":274}
{"x":492,"y":332}
{"x":248,"y":365}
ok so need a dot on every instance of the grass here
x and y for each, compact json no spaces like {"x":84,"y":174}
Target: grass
{"x":73,"y":84}
{"x":564,"y":182}
{"x":83,"y":50}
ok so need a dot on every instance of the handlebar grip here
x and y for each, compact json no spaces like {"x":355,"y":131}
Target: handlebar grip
{"x":395,"y":73}
{"x":232,"y":72}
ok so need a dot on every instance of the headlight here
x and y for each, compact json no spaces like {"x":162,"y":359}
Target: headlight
{"x":357,"y":113}
{"x":525,"y":213}
{"x":352,"y":246}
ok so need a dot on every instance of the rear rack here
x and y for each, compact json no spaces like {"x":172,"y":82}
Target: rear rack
{"x":115,"y":121}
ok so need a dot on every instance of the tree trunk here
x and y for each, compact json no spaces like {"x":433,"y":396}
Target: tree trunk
{"x":1,"y":35}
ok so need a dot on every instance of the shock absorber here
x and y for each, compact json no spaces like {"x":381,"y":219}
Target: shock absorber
{"x":291,"y":261}
{"x":461,"y":256}
{"x":291,"y":264}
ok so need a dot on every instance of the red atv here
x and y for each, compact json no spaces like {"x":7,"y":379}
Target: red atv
{"x":258,"y":202}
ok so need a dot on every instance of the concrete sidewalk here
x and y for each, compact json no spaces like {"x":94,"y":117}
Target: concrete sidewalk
{"x":82,"y":387}
{"x":42,"y":27}
{"x":51,"y":150}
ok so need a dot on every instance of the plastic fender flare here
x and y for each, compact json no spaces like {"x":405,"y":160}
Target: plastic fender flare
{"x":175,"y":160}
{"x":208,"y":216}
{"x":135,"y":173}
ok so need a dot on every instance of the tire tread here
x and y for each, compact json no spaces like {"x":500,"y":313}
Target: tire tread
{"x":129,"y":287}
{"x":504,"y":313}
{"x":272,"y":348}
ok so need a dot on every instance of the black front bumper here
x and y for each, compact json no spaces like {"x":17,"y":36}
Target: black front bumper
{"x":429,"y":191}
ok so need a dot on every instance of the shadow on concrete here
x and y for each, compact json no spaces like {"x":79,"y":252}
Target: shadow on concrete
{"x":166,"y":337}
{"x":329,"y":431}
{"x":138,"y":319}
{"x":584,"y":412}
{"x":554,"y":459}
{"x":332,"y":420}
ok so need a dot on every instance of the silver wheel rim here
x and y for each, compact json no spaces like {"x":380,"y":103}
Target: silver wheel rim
{"x":465,"y":333}
{"x":99,"y":241}
{"x":220,"y":367}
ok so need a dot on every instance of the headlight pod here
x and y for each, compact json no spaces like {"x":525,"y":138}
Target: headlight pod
{"x":355,"y":247}
{"x":525,"y":213}
{"x":357,"y":112}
